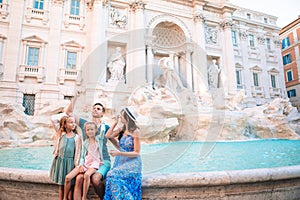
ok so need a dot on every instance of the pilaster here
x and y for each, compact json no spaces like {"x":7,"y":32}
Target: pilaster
{"x":189,"y":70}
{"x":150,"y":58}
{"x":95,"y":66}
{"x":14,"y":36}
{"x":228,"y":69}
{"x":53,"y":59}
{"x":199,"y":20}
{"x":138,"y":57}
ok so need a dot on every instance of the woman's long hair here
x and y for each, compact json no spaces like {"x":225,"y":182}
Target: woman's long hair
{"x":62,"y":125}
{"x":131,"y":124}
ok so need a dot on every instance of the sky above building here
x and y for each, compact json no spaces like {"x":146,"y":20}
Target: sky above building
{"x":286,"y":10}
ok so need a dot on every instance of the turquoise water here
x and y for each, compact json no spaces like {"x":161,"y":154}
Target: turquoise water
{"x":179,"y":157}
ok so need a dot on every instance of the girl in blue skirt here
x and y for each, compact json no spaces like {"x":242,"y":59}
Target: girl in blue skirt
{"x":67,"y":151}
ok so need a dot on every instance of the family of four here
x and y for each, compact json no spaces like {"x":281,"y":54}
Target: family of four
{"x":81,"y":159}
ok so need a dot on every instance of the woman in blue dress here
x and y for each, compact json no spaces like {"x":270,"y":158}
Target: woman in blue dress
{"x":124,"y":180}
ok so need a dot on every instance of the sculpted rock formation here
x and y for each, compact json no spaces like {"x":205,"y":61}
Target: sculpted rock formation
{"x":167,"y":117}
{"x":18,"y":129}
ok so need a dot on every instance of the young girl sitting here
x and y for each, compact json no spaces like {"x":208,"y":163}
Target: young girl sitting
{"x":66,"y":152}
{"x":90,"y":159}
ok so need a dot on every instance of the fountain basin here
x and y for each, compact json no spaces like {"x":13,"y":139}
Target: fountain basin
{"x":182,"y":157}
{"x":224,"y":170}
{"x":265,"y":183}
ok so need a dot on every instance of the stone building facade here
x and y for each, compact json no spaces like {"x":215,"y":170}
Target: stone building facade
{"x":49,"y":49}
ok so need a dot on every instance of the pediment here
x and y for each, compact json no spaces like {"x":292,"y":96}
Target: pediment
{"x":73,"y":44}
{"x":2,"y":36}
{"x":34,"y":38}
{"x":273,"y":71}
{"x":238,"y":66}
{"x":268,"y":34}
{"x":256,"y":68}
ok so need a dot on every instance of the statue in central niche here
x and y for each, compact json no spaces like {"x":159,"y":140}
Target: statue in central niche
{"x":169,"y":78}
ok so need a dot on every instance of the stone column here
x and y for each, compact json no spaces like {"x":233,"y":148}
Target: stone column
{"x":189,"y":71}
{"x":150,"y":58}
{"x":265,"y":80}
{"x":176,"y":63}
{"x":199,"y":55}
{"x":281,"y":74}
{"x":54,"y":58}
{"x":138,"y":65}
{"x":171,"y":56}
{"x":199,"y":20}
{"x":2,"y":39}
{"x":13,"y":51}
{"x":228,"y":67}
{"x":129,"y":57}
{"x":98,"y":23}
{"x":96,"y":60}
{"x":244,"y":52}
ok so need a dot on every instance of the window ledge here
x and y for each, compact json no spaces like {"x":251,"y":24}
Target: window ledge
{"x":257,"y":91}
{"x":70,"y":74}
{"x":74,"y":20}
{"x":275,"y":92}
{"x":37,"y":14}
{"x":31,"y":71}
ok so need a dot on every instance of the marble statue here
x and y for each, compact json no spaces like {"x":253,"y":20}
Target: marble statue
{"x":237,"y":101}
{"x":116,"y":65}
{"x":278,"y":106}
{"x":169,"y":78}
{"x":117,"y":19}
{"x":211,"y":35}
{"x":214,"y":75}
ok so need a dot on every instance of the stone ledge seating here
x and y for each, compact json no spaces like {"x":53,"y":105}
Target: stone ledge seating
{"x":260,"y":184}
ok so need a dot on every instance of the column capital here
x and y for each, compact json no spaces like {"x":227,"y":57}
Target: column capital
{"x":189,"y":47}
{"x":277,"y":42}
{"x":227,"y":23}
{"x":90,"y":3}
{"x":199,"y":17}
{"x":136,"y":5}
{"x":149,"y":41}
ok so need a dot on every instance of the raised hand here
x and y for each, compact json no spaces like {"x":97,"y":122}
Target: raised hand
{"x":116,"y":118}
